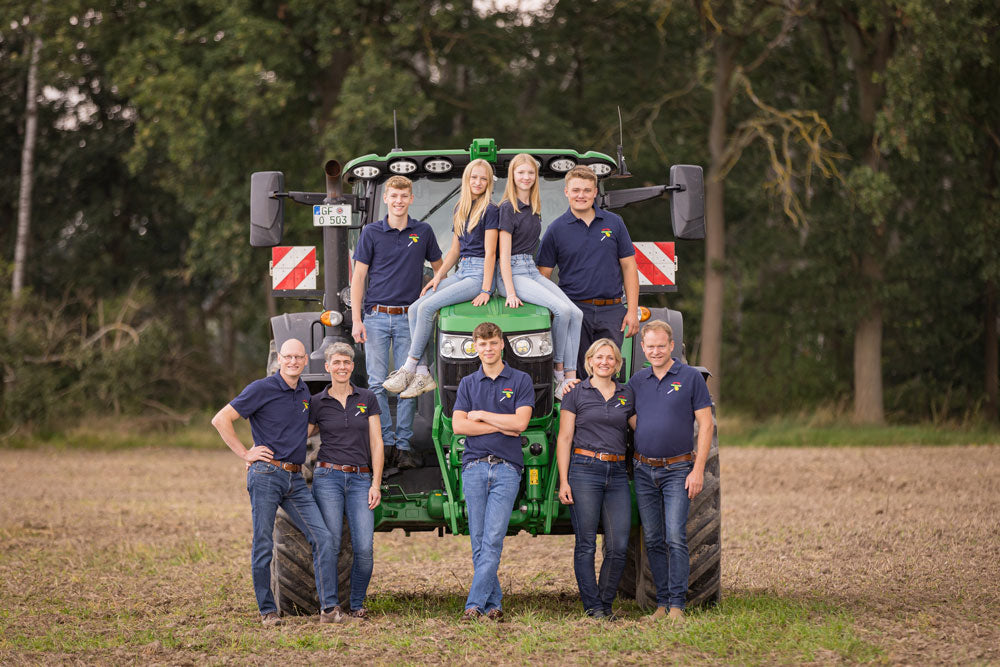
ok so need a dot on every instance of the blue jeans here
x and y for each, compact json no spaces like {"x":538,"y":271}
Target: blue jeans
{"x":600,"y":496}
{"x":464,"y":285}
{"x":532,"y":287}
{"x":490,"y":491}
{"x":663,"y":509}
{"x":598,"y":322}
{"x":384,"y":329}
{"x":269,"y":488}
{"x":336,"y":491}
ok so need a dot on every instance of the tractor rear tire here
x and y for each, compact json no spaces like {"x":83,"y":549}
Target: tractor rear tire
{"x":704,"y":544}
{"x":292,"y":580}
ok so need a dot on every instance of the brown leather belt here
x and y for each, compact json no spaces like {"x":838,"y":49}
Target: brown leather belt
{"x":335,"y":466}
{"x":600,"y":456}
{"x":601,"y":302}
{"x":285,"y":465}
{"x":661,"y":463}
{"x":391,"y":310}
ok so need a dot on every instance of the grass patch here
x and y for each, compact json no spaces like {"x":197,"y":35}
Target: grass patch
{"x":821,"y":431}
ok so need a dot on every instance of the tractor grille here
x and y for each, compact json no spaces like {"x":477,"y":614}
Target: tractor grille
{"x":539,"y":369}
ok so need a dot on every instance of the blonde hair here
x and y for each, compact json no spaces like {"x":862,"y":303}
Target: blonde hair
{"x":469,"y":211}
{"x":657,"y":325}
{"x":398,"y":182}
{"x":510,"y":192}
{"x":580,"y":171}
{"x":592,"y":350}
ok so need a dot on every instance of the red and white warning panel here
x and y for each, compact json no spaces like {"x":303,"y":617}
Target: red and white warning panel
{"x":293,"y":267}
{"x":657,"y":264}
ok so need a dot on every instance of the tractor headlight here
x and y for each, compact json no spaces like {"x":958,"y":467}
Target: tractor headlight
{"x":438,"y":166}
{"x":402,"y":166}
{"x":600,"y":168}
{"x":366,"y":171}
{"x":562,"y":164}
{"x":533,"y":344}
{"x":457,"y":347}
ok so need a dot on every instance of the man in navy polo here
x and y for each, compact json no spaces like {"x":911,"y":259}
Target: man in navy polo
{"x":669,"y":397}
{"x":596,"y":259}
{"x":492,"y":409}
{"x":390,"y":254}
{"x":278,"y":409}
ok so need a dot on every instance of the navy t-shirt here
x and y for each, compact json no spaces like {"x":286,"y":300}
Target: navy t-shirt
{"x":523,"y":226}
{"x":395,"y":259}
{"x":343,"y":431}
{"x":665,"y":409}
{"x":587,"y":256}
{"x":510,"y":390}
{"x":278,"y":414}
{"x":473,"y":244}
{"x":600,"y":424}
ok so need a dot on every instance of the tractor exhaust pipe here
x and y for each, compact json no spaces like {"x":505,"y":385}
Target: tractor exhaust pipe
{"x":335,"y":259}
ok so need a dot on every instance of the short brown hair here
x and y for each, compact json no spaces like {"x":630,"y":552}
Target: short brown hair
{"x":579,"y":171}
{"x":338,"y":348}
{"x":398,"y":182}
{"x":657,"y":325}
{"x":592,"y":350}
{"x":486,"y":330}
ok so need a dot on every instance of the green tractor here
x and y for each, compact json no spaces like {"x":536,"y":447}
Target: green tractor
{"x":430,"y":498}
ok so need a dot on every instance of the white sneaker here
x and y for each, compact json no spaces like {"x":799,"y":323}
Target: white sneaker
{"x":420,"y":384}
{"x":563,"y":387}
{"x":398,"y":380}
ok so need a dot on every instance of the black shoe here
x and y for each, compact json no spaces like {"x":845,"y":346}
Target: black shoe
{"x":409,"y":459}
{"x":596,"y":613}
{"x":391,"y":454}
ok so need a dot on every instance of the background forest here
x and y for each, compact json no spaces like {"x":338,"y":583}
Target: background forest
{"x":850,"y":152}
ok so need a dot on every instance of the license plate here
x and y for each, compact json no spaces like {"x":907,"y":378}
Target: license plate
{"x":331,"y":215}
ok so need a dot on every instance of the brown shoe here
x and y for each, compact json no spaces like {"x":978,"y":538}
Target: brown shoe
{"x":658,"y":615}
{"x":360,"y":614}
{"x":271,"y":619}
{"x":335,"y":615}
{"x":676,"y":615}
{"x":471,"y":615}
{"x":495,"y":615}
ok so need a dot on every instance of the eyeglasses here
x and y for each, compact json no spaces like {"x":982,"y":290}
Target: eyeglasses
{"x":294,"y":357}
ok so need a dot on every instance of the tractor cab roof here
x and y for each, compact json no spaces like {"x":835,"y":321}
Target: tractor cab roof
{"x":448,"y":164}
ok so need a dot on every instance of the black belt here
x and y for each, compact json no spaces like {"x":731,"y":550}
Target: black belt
{"x":490,"y":459}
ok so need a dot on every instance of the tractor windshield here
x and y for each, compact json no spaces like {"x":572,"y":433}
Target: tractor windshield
{"x":434,"y":201}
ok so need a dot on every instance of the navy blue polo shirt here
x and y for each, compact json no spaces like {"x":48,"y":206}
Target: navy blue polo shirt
{"x":395,"y":260}
{"x":665,"y":409}
{"x":278,"y":414}
{"x":510,"y":390}
{"x":523,"y":226}
{"x":600,"y":424}
{"x":473,"y":244}
{"x":587,"y":256}
{"x":343,"y":431}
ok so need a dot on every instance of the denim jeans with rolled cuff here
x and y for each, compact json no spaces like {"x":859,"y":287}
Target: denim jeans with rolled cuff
{"x":385,"y":330}
{"x":663,"y":509}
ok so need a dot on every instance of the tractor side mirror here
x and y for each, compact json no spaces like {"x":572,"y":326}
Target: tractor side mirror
{"x":687,"y":205}
{"x":267,"y":213}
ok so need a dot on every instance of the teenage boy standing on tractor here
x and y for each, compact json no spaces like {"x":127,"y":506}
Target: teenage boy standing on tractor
{"x":492,"y":408}
{"x":595,"y":256}
{"x":391,"y":254}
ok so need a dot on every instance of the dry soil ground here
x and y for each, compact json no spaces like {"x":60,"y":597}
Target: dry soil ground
{"x":142,"y":556}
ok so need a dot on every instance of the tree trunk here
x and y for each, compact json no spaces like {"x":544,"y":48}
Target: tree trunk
{"x":27,"y":171}
{"x":992,"y":368}
{"x":710,"y":355}
{"x":868,"y":403}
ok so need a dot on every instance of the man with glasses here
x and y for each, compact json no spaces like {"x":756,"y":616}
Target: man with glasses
{"x":278,"y":409}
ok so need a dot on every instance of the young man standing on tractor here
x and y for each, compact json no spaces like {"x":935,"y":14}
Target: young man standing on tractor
{"x":492,"y":408}
{"x":596,"y":259}
{"x":669,"y":397}
{"x":278,"y":409}
{"x":391,"y":254}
